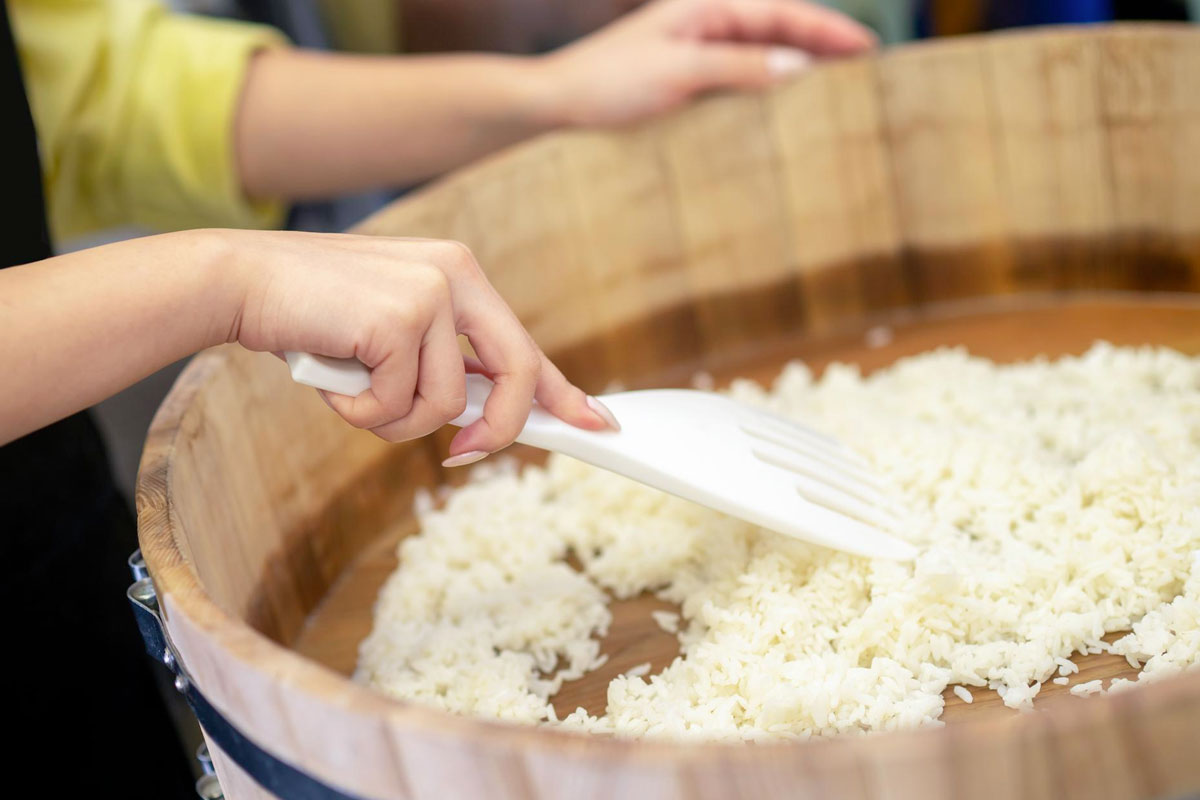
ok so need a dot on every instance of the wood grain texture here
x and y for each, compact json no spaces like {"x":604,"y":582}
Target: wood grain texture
{"x":730,"y":237}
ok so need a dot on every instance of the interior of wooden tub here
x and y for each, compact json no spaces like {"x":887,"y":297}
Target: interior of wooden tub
{"x":340,"y":508}
{"x":729,"y":239}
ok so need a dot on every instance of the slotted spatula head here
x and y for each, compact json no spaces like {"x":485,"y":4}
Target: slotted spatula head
{"x":706,"y":448}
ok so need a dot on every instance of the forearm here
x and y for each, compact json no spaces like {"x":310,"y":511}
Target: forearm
{"x":312,"y":124}
{"x":80,"y":327}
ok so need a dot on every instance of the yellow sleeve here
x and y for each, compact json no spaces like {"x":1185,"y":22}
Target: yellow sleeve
{"x":135,"y":109}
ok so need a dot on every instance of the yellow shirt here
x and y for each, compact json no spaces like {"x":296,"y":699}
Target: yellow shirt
{"x":134,"y":107}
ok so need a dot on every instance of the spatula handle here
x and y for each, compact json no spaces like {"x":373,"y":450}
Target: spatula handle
{"x":349,"y":376}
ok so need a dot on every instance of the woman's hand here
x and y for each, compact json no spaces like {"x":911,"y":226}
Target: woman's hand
{"x":665,"y":53}
{"x":82,"y":326}
{"x":398,"y":306}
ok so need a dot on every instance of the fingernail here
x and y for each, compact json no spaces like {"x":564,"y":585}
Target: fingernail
{"x":462,"y":459}
{"x":784,"y":61}
{"x":601,"y":411}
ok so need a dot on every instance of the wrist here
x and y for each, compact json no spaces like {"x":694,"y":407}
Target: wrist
{"x":548,"y":96}
{"x":218,"y":282}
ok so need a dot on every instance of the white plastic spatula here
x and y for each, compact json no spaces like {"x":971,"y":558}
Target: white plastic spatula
{"x":702,"y":447}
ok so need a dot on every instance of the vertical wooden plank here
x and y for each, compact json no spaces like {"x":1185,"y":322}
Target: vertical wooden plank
{"x":939,"y":122}
{"x":868,"y":183}
{"x":840,"y":219}
{"x":1141,"y":106}
{"x":722,"y":167}
{"x":1057,"y":187}
{"x":815,"y":770}
{"x":810,"y":143}
{"x":440,"y":767}
{"x":631,"y":250}
{"x":1048,"y":134}
{"x":231,"y":565}
{"x":1158,"y":730}
{"x":571,"y":772}
{"x":1089,"y":761}
{"x":516,"y":215}
{"x":1151,"y":110}
{"x":911,"y":767}
{"x":980,"y":764}
{"x":528,"y":243}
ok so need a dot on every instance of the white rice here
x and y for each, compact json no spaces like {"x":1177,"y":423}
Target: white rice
{"x":667,"y":620}
{"x":1091,"y":687}
{"x":1053,"y":503}
{"x":964,"y":694}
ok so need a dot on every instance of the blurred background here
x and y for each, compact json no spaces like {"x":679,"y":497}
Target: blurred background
{"x":536,"y":26}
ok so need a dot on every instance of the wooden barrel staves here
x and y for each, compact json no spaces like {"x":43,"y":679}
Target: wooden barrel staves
{"x":1043,"y":184}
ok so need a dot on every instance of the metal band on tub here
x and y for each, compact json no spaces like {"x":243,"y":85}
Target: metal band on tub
{"x":268,"y":771}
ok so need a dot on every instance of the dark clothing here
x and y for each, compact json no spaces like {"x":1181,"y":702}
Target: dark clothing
{"x":88,"y":713}
{"x":26,"y":236}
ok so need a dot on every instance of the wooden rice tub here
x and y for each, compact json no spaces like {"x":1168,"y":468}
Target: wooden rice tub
{"x":1021,"y":194}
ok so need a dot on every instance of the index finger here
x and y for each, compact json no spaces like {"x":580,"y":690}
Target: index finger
{"x":508,"y":354}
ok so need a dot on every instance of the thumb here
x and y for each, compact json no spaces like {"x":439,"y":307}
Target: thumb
{"x":745,"y":66}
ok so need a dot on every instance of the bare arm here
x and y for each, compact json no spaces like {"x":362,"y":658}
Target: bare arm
{"x":82,"y":326}
{"x":312,"y":125}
